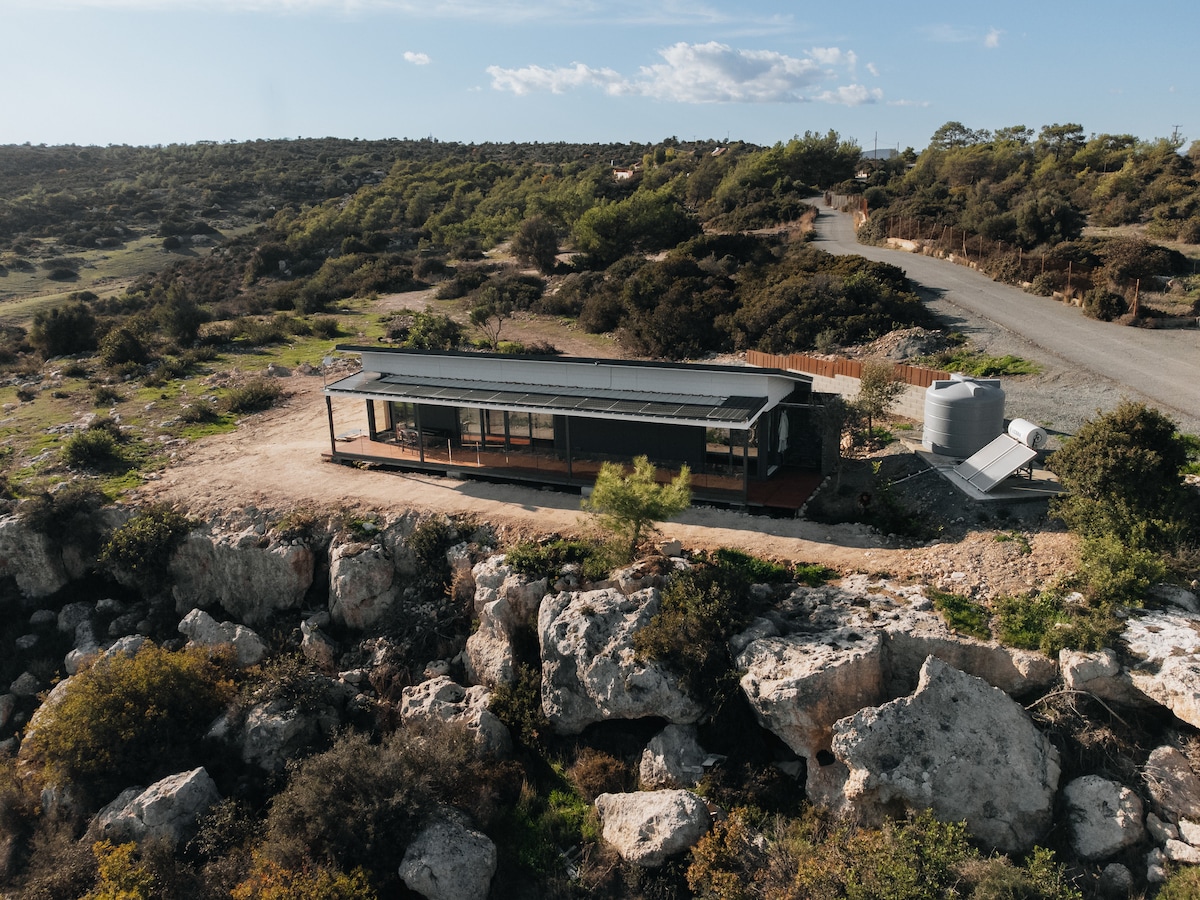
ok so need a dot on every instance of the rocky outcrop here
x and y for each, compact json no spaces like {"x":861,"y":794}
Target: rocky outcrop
{"x":1101,"y":674}
{"x":672,"y":759}
{"x":247,"y":574}
{"x":439,"y":699}
{"x":495,"y":580}
{"x":272,"y":732}
{"x":1103,"y":817}
{"x":489,"y":658}
{"x":504,"y":600}
{"x":590,"y":672}
{"x":959,"y":747}
{"x":30,"y":559}
{"x":166,"y":810}
{"x":1164,"y":648}
{"x":449,"y":860}
{"x":203,"y":630}
{"x":799,"y":685}
{"x":828,"y":652}
{"x":361,"y":583}
{"x":646,"y":828}
{"x":1173,"y":786}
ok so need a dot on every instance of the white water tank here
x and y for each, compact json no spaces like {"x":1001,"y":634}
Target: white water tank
{"x":962,"y":415}
{"x":1032,"y":436}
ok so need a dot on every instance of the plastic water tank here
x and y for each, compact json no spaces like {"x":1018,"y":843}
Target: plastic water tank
{"x":962,"y":415}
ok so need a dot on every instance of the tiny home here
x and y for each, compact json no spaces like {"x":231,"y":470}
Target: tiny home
{"x":747,"y":434}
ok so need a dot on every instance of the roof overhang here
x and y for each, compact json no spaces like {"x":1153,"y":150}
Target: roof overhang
{"x":679,"y":394}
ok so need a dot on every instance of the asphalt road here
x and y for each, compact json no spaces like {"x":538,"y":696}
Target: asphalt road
{"x":1102,"y":360}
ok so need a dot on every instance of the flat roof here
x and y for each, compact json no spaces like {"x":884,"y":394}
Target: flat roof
{"x":635,"y":406}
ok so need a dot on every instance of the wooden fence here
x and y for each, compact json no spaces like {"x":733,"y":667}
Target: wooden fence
{"x":831,"y":368}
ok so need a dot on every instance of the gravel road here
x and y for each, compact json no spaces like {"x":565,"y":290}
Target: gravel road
{"x":1087,"y":365}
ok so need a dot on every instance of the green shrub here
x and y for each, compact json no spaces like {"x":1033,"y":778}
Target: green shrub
{"x":255,"y":395}
{"x":120,"y":346}
{"x":200,"y":412}
{"x":537,"y":559}
{"x":359,"y":804}
{"x":1117,"y":572}
{"x":700,"y":609}
{"x":753,"y":568}
{"x":129,"y":720}
{"x":123,"y":876}
{"x":1103,"y":304}
{"x":105,"y":395}
{"x":1030,"y":621}
{"x":68,"y":512}
{"x":143,"y":545}
{"x":326,"y":327}
{"x":628,"y":505}
{"x":519,"y":706}
{"x":1182,"y":885}
{"x":962,"y":614}
{"x":813,"y":574}
{"x":269,"y":881}
{"x":96,"y":450}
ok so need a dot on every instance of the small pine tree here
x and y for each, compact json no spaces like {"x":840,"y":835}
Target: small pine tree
{"x":629,"y":505}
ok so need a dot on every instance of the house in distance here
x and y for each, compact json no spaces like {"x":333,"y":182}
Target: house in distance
{"x":748,"y":434}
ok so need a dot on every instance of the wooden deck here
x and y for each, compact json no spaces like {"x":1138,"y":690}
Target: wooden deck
{"x":783,"y":494}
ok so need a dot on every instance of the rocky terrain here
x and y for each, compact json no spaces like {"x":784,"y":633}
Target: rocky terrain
{"x":869,"y":702}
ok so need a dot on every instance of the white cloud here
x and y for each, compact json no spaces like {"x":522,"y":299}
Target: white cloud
{"x":834,"y":56}
{"x":873,"y":69}
{"x":948,"y":34}
{"x":702,"y":73}
{"x":417,"y":59}
{"x":852,"y":95}
{"x":918,"y":103}
{"x":992,"y":39}
{"x":558,"y":80}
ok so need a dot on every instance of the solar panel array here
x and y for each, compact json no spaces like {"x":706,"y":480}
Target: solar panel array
{"x":632,"y":404}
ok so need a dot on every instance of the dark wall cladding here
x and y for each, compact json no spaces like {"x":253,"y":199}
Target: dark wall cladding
{"x":662,"y":444}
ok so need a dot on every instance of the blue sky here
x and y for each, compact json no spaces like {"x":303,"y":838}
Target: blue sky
{"x":178,"y":71}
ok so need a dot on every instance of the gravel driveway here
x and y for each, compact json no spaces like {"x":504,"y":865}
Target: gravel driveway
{"x":1087,"y":365}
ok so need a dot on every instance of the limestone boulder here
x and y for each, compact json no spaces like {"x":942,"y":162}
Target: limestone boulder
{"x":914,"y":634}
{"x":166,"y":810}
{"x":449,"y":860}
{"x":590,"y":672}
{"x":1103,"y":817}
{"x":496,"y":580}
{"x":647,"y":828}
{"x":1173,"y":786}
{"x":362,"y":583}
{"x":800,"y":685}
{"x":317,"y":647}
{"x":1165,"y":651}
{"x":1101,"y":674}
{"x":957,"y":746}
{"x":273,"y":732}
{"x":440,"y":699}
{"x":30,"y":559}
{"x":248,"y":575}
{"x":673,"y":759}
{"x":489,"y":658}
{"x":202,"y":630}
